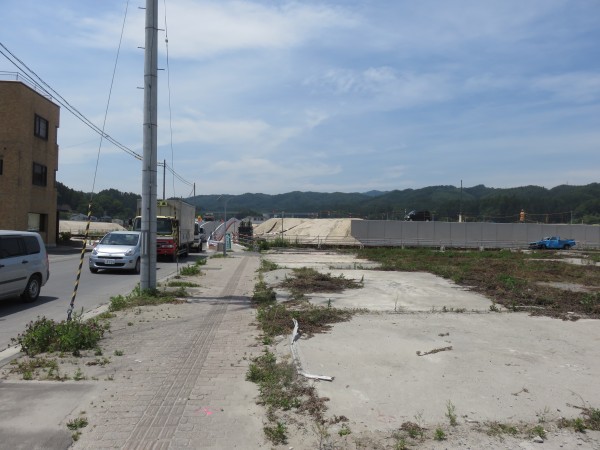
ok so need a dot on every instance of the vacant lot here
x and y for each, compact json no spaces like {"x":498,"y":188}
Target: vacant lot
{"x":451,"y":362}
{"x":551,"y":283}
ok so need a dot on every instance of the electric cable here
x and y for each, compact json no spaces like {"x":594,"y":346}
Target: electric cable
{"x":169,"y":95}
{"x":26,"y":71}
{"x":89,"y":217}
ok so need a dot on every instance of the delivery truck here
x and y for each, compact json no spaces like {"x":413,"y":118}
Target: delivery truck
{"x":174,"y":227}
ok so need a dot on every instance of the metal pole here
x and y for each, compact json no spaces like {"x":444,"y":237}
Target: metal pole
{"x":460,"y":204}
{"x":164,"y":176}
{"x":149,"y":160}
{"x":225,"y":229}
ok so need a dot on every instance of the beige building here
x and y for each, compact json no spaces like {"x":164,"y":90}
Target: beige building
{"x":28,"y":160}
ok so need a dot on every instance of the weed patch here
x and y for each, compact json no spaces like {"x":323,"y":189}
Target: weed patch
{"x":537,"y":430}
{"x":267,"y":266}
{"x":510,"y":279}
{"x":147,"y":297}
{"x":264,"y":245}
{"x":589,"y":421}
{"x":263,"y":293}
{"x":276,"y":319}
{"x":45,"y":335}
{"x":280,"y":388}
{"x":78,"y":423}
{"x":307,"y":280}
{"x":38,"y":368}
{"x":182,"y":284}
{"x":439,"y":435}
{"x":499,"y":429}
{"x":189,"y":271}
{"x":451,"y":413}
{"x":276,"y":433}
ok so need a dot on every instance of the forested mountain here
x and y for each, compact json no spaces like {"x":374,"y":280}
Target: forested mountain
{"x":562,"y":204}
{"x":110,"y":202}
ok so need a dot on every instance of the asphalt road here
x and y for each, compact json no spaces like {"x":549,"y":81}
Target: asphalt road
{"x":94,"y":290}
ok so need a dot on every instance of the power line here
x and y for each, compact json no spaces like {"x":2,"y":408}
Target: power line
{"x":33,"y":78}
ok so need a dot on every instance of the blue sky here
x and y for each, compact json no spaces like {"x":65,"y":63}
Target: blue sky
{"x":328,"y":96}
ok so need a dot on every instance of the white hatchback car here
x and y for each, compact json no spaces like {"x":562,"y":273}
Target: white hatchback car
{"x":117,"y":250}
{"x":24,"y":266}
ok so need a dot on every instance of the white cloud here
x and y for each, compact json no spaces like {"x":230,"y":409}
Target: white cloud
{"x":198,"y":30}
{"x":339,"y":95}
{"x":380,"y":89}
{"x":239,"y":135}
{"x":577,"y":87}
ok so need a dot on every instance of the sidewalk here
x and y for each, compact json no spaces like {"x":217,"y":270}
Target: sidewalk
{"x":180,"y":382}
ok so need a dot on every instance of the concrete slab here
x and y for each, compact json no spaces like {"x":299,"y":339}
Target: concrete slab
{"x":33,"y":414}
{"x":382,"y":291}
{"x":407,"y":357}
{"x":501,"y":367}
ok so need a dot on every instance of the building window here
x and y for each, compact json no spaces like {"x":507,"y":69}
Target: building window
{"x":36,"y":222}
{"x":40,"y":127}
{"x":40,"y":175}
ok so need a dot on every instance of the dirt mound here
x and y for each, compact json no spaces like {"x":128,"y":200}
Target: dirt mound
{"x":308,"y":230}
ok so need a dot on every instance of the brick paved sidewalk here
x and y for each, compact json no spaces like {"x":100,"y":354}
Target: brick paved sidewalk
{"x":181,"y":380}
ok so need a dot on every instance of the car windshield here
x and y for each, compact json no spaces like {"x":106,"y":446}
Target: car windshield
{"x":164,"y":225}
{"x":130,"y":239}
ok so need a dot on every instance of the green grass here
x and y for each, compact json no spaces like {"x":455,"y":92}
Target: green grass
{"x":267,"y":266}
{"x":276,"y":433}
{"x":78,"y":423}
{"x":538,"y":430}
{"x":344,"y":430}
{"x":451,"y":413}
{"x":183,"y":284}
{"x":439,"y":435}
{"x":189,"y":271}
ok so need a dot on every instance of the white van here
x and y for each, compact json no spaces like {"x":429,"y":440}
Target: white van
{"x":24,"y":266}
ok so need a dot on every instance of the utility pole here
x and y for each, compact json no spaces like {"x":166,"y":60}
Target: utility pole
{"x":149,"y":160}
{"x":164,"y":176}
{"x":460,"y":204}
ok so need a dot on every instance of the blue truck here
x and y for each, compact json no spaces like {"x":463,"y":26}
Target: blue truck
{"x":553,"y":242}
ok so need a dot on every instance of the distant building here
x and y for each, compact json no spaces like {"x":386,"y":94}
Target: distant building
{"x":29,"y":123}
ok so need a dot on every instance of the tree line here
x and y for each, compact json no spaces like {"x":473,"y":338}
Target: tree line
{"x":561,"y":204}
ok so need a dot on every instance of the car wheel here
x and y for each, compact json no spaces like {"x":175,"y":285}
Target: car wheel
{"x":32,"y":290}
{"x":93,"y":270}
{"x":137,"y":266}
{"x":566,"y":247}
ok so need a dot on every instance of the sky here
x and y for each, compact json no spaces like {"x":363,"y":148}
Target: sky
{"x":274,"y":96}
